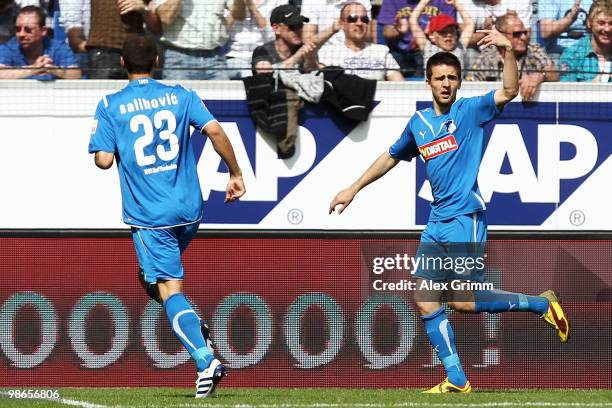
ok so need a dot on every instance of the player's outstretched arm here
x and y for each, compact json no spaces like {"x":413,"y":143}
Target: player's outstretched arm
{"x":104,"y":160}
{"x":379,"y":168}
{"x":235,"y":187}
{"x":510,"y":80}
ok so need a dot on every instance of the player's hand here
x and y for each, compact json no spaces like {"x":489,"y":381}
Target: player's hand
{"x":235,"y":189}
{"x":126,"y":6}
{"x":343,"y":198}
{"x":494,"y":37}
{"x":528,"y":85}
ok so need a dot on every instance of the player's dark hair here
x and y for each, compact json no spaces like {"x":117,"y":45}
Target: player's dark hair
{"x":139,"y":54}
{"x":40,"y":13}
{"x":443,"y":58}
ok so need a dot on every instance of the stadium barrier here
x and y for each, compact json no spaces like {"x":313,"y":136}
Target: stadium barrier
{"x":545,"y":164}
{"x":293,"y":311}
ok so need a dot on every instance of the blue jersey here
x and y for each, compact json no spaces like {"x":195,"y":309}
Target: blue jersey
{"x":451,"y":146}
{"x":146,"y":126}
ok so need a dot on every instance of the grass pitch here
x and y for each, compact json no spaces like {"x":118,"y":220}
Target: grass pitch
{"x":316,"y":398}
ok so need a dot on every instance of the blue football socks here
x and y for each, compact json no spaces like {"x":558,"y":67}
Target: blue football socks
{"x":186,"y":326}
{"x":442,"y":339}
{"x":497,"y":301}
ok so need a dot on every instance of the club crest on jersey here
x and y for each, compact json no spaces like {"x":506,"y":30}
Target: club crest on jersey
{"x":450,"y":126}
{"x":438,"y":147}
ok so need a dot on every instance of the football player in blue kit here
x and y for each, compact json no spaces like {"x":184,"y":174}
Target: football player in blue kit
{"x":449,"y":139}
{"x":145,"y":129}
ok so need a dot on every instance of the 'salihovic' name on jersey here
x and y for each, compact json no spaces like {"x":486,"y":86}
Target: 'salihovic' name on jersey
{"x":438,"y":147}
{"x":141,"y":104}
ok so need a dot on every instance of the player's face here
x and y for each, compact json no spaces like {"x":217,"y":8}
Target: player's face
{"x":601,"y":28}
{"x":518,"y":35}
{"x":445,"y":39}
{"x":354,"y":22}
{"x":444,"y":84}
{"x":28,"y":30}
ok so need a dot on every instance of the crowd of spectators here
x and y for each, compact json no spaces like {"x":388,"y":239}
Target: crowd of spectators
{"x":567,"y":40}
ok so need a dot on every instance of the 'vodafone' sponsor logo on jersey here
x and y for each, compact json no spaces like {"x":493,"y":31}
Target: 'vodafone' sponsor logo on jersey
{"x":438,"y":147}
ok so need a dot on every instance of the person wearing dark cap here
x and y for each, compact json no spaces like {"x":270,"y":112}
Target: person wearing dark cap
{"x":287,"y":23}
{"x":442,"y":32}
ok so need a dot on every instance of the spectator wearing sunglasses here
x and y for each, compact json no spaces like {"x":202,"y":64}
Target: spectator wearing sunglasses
{"x":324,"y":15}
{"x":590,"y":59}
{"x":442,"y":32}
{"x":357,"y":55}
{"x":30,"y":54}
{"x":535,"y":66}
{"x":483,"y":14}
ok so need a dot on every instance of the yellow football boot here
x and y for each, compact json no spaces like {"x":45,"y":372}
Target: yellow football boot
{"x":446,"y":386}
{"x":555,"y":316}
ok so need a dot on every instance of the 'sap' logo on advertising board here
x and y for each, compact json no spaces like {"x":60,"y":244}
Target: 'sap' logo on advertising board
{"x":268,"y":178}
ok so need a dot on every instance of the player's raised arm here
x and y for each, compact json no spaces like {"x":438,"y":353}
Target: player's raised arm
{"x":379,"y":168}
{"x":235,"y":187}
{"x":510,"y":75}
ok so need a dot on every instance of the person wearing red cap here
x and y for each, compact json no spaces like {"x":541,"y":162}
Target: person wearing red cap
{"x":442,"y":32}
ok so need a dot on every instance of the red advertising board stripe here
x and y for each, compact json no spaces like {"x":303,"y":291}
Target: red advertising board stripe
{"x":291,"y":313}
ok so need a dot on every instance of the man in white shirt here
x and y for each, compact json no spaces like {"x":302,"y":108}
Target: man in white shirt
{"x":357,"y":55}
{"x":194,"y":33}
{"x":323,"y":14}
{"x":248,"y":28}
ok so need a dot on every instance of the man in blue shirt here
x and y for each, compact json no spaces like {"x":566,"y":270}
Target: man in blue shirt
{"x":145,"y":127}
{"x":562,"y":23}
{"x":449,"y":138}
{"x":590,"y":59}
{"x":30,"y":54}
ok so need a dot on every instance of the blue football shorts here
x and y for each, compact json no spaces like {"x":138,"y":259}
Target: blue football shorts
{"x":453,"y":249}
{"x":159,"y":251}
